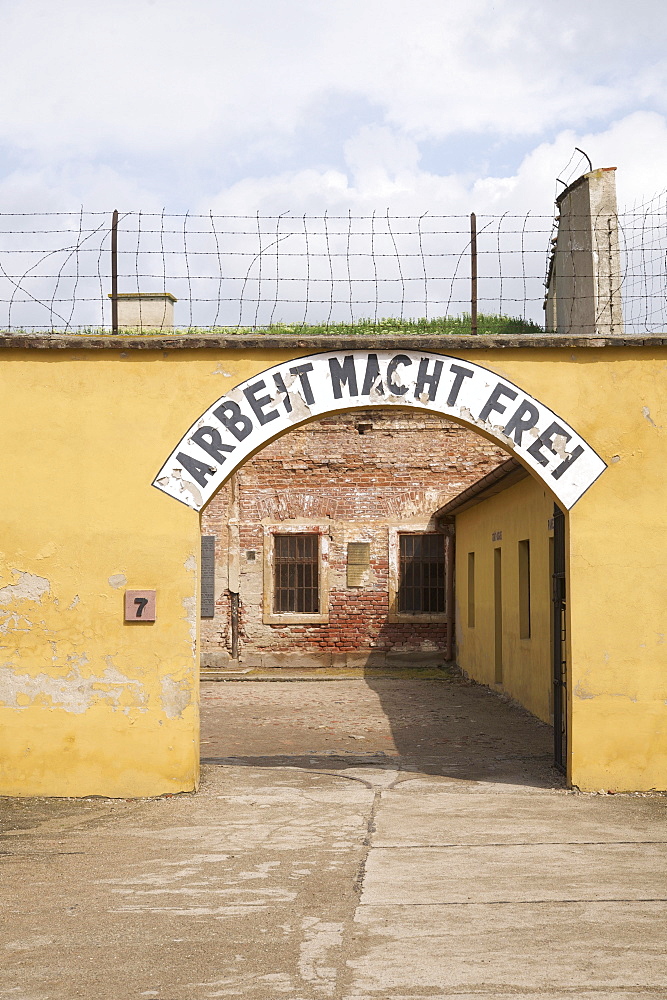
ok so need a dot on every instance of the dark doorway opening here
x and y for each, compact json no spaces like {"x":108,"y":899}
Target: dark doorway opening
{"x":559,"y":606}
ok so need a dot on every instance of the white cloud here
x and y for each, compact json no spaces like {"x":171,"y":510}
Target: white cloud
{"x":383,"y":169}
{"x":305,"y":107}
{"x":135,"y":77}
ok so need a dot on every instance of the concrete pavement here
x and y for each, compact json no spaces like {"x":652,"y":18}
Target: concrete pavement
{"x":357,"y":839}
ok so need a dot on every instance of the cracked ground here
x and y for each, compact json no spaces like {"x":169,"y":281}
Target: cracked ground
{"x":393,"y":839}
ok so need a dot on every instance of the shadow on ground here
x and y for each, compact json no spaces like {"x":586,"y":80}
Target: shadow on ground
{"x":427,"y":722}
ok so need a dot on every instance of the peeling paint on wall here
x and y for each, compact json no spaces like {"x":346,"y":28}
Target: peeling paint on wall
{"x":190,"y":606}
{"x":176,"y":695}
{"x":647,"y":416}
{"x":28,"y":588}
{"x":581,"y":692}
{"x":72,"y":692}
{"x":48,"y":551}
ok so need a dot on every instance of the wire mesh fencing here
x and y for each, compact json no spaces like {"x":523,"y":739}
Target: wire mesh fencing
{"x":238,"y":272}
{"x":643,"y":237}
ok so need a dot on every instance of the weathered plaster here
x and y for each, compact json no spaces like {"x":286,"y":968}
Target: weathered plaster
{"x":190,"y":608}
{"x":29,"y":587}
{"x":176,"y":695}
{"x":72,"y":692}
{"x":77,"y":441}
{"x":647,"y":416}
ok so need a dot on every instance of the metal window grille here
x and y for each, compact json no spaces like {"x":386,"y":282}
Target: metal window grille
{"x":296,"y":573}
{"x":421,"y":587}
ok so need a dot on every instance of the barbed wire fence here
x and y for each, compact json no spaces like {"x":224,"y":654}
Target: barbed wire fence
{"x":238,"y":272}
{"x":643,"y":239}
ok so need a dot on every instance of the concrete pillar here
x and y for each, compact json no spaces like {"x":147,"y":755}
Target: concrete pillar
{"x":584,"y":282}
{"x":143,"y":311}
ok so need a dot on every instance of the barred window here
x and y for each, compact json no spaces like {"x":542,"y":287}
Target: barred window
{"x":421,"y":581}
{"x":296,"y":573}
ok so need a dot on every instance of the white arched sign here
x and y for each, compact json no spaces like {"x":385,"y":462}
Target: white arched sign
{"x":266,"y":405}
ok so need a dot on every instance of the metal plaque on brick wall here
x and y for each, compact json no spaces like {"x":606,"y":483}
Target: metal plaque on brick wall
{"x":358,"y":562}
{"x":208,"y":576}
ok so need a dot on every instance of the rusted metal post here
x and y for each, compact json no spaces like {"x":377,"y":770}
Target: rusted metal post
{"x":114,"y":272}
{"x":233,"y":559}
{"x":235,"y":626}
{"x":473,"y":273}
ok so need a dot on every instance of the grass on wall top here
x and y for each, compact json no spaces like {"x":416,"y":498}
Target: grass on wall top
{"x":457,"y":326}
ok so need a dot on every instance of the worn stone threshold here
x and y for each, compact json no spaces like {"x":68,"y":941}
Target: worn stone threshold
{"x":280,"y":674}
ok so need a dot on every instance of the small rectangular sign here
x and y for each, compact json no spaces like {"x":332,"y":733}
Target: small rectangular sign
{"x":207,"y":609}
{"x":358,"y":562}
{"x":139,"y":605}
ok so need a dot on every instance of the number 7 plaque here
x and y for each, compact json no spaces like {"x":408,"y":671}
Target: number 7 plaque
{"x":139,"y":605}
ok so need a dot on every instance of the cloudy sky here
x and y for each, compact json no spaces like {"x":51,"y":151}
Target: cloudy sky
{"x":305,"y":106}
{"x":302,"y":105}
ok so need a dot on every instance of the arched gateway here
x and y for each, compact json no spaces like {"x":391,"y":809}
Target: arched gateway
{"x":286,"y":395}
{"x":96,"y":699}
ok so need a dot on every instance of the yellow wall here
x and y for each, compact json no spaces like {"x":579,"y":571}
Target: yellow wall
{"x":616,"y":557}
{"x":520,"y":512}
{"x":96,"y":706}
{"x":91,"y":705}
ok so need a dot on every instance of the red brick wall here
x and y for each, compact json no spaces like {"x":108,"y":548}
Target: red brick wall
{"x":360,"y":485}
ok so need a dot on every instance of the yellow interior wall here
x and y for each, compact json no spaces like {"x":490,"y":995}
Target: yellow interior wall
{"x":96,"y":706}
{"x":616,"y":557}
{"x":520,"y":512}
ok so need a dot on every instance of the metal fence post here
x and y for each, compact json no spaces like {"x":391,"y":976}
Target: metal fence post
{"x":114,"y":272}
{"x":473,"y":273}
